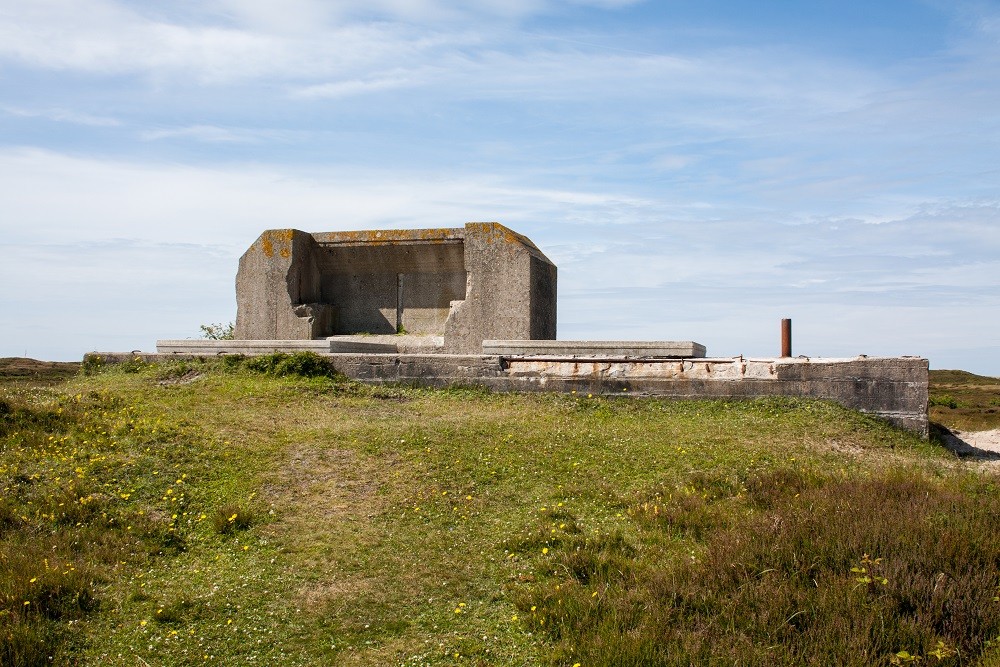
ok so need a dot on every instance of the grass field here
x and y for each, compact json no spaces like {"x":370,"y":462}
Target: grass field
{"x":270,"y":513}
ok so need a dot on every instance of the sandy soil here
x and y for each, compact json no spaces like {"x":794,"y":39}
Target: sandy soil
{"x":983,"y":445}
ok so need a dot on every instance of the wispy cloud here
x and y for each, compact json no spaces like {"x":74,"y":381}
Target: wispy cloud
{"x":55,"y":196}
{"x":379,"y":82}
{"x":215,"y":134}
{"x":61,"y":116}
{"x":332,"y":57}
{"x":102,"y":37}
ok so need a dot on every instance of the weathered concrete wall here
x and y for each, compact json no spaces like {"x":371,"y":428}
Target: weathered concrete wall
{"x":278,"y":289}
{"x":892,"y":388}
{"x":383,"y":287}
{"x":511,"y":291}
{"x":425,"y":300}
{"x":480,"y":281}
{"x":543,"y":298}
{"x":186,"y":348}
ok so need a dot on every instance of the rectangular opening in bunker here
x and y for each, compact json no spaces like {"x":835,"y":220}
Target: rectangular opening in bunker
{"x":392,"y":287}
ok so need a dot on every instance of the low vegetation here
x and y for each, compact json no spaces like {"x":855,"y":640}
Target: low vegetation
{"x":269,"y":511}
{"x":964,"y":401}
{"x":218,"y":331}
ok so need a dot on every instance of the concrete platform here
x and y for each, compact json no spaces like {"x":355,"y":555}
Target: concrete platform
{"x":387,"y":344}
{"x":252,"y":347}
{"x":641,"y":349}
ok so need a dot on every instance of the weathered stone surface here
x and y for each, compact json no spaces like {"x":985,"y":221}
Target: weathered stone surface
{"x":465,"y":285}
{"x":277,"y":274}
{"x":511,"y":291}
{"x":400,"y":282}
{"x":594,"y":348}
{"x":893,"y":388}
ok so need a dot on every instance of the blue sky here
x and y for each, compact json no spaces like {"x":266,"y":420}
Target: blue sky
{"x":697,"y":170}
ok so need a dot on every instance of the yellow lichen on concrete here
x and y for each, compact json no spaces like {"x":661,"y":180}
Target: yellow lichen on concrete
{"x":282,"y":237}
{"x":494,"y":232}
{"x":489,"y":231}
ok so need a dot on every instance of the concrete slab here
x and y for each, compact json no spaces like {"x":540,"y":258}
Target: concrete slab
{"x":252,"y":347}
{"x":595,"y":348}
{"x":402,"y":343}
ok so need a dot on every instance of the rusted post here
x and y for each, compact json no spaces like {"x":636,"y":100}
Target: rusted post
{"x":786,"y":338}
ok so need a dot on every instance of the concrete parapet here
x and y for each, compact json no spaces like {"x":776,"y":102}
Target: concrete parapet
{"x":594,"y":348}
{"x":278,"y":289}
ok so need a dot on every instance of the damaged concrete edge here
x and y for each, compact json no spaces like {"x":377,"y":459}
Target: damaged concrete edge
{"x":390,"y":236}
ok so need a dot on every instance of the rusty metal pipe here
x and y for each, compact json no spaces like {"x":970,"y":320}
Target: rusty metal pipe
{"x":786,"y":338}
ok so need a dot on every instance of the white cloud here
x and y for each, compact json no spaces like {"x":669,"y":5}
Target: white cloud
{"x":102,"y":37}
{"x":286,"y":17}
{"x":300,"y":13}
{"x":52,"y":198}
{"x":68,"y":299}
{"x":323,"y":57}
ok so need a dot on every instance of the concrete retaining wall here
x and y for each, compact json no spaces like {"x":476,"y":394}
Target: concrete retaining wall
{"x":893,"y":388}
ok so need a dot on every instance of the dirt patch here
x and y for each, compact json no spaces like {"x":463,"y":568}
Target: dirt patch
{"x":848,"y":448}
{"x":316,"y":595}
{"x":186,"y":378}
{"x":14,"y":369}
{"x":335,"y":478}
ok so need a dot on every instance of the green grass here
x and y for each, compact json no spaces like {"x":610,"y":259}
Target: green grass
{"x":964,"y":401}
{"x":273,"y":513}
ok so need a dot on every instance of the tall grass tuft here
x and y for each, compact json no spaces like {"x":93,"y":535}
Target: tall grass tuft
{"x":302,"y":364}
{"x":846,"y":571}
{"x":231,"y":518}
{"x":24,"y":643}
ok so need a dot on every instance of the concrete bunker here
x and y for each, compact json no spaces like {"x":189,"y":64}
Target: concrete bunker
{"x":459,"y":285}
{"x":486,"y":297}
